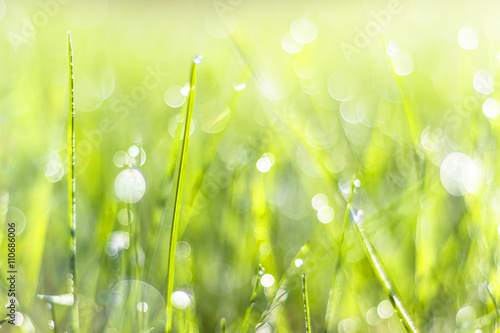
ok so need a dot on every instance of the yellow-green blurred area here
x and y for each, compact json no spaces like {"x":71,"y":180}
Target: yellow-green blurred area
{"x":294,"y":100}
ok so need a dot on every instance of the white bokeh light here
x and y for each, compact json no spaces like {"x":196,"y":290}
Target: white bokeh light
{"x":267,"y":280}
{"x":265,"y":163}
{"x":290,"y":45}
{"x":130,"y":185}
{"x":460,"y":174}
{"x":303,"y":31}
{"x":319,"y":201}
{"x":180,"y":299}
{"x":467,"y":38}
{"x":402,"y":62}
{"x":326,"y":214}
{"x":483,"y":82}
{"x":491,"y":108}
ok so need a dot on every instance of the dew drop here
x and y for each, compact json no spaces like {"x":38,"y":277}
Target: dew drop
{"x":267,"y":280}
{"x":130,"y":185}
{"x":180,"y":299}
{"x":198,"y":59}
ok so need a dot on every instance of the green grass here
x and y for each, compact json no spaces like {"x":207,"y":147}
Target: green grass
{"x":178,"y":193}
{"x":271,"y":130}
{"x":72,"y":188}
{"x":307,"y":315}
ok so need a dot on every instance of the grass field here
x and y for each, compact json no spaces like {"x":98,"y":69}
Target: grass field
{"x":240,"y":165}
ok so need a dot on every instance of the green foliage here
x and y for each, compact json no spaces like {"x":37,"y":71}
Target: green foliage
{"x":285,"y":114}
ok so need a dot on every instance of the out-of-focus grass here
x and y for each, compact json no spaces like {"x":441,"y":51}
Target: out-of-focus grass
{"x":271,"y":130}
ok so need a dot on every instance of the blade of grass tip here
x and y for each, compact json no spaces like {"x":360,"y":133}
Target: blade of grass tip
{"x":244,"y":324}
{"x":383,"y":276}
{"x":72,"y":186}
{"x":223,"y":325}
{"x":306,"y":304}
{"x":178,"y":194}
{"x":329,"y":307}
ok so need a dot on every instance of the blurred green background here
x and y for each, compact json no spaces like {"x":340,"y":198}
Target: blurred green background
{"x":294,"y":99}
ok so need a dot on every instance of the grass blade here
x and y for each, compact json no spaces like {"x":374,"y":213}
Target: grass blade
{"x":383,"y":276}
{"x":72,"y":186}
{"x":306,"y":303}
{"x":329,"y":307}
{"x":244,"y":324}
{"x":178,"y":195}
{"x":223,"y":325}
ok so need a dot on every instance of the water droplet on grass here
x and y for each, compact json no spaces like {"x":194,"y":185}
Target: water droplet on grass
{"x":130,"y":185}
{"x":198,"y":59}
{"x":298,"y":262}
{"x":267,"y":280}
{"x":265,"y":163}
{"x":180,"y":299}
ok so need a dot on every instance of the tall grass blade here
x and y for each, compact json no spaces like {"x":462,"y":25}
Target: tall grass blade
{"x":383,"y":276}
{"x":72,"y":186}
{"x":306,"y":304}
{"x":178,"y":195}
{"x":244,"y":324}
{"x":329,"y":307}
